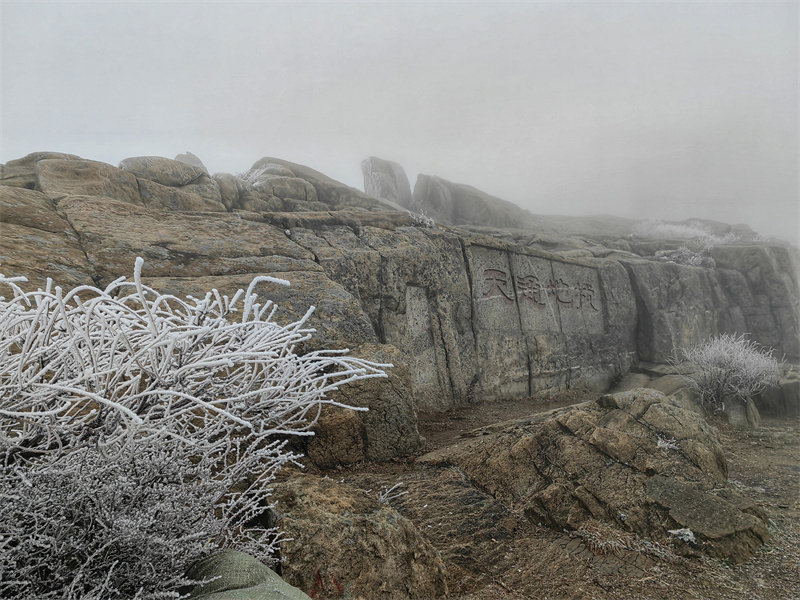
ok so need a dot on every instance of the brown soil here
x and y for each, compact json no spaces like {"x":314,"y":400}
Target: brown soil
{"x":491,"y":553}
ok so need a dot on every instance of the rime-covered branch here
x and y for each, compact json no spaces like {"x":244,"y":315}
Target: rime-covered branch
{"x":139,"y":430}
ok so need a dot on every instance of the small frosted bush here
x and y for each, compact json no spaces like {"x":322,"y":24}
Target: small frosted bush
{"x":686,"y":256}
{"x":700,"y":238}
{"x":657,"y":229}
{"x":139,"y":431}
{"x":730,"y":368}
{"x":422,"y":220}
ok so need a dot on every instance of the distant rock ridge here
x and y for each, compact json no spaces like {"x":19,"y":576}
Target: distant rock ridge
{"x":465,"y":313}
{"x":461,"y":204}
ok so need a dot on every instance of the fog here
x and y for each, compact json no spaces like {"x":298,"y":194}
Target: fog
{"x":648,"y":110}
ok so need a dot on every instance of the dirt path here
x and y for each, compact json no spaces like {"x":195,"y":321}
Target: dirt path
{"x":491,"y":553}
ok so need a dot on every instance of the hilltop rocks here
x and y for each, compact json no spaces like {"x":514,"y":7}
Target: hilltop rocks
{"x":190,"y":159}
{"x":22,"y":171}
{"x":333,"y":194}
{"x":37,"y":242}
{"x":387,"y":180}
{"x":344,"y":543}
{"x":174,"y":185}
{"x":61,"y":178}
{"x":634,"y":460}
{"x":467,"y":315}
{"x":163,"y":170}
{"x":459,"y":204}
{"x":763,"y":281}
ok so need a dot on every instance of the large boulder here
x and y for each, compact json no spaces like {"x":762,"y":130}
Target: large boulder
{"x":387,"y":180}
{"x":782,"y":400}
{"x":343,"y":543}
{"x":61,"y":178}
{"x":174,"y":185}
{"x":163,"y":170}
{"x":172,"y":244}
{"x":235,"y":575}
{"x":333,"y":194}
{"x":387,"y":429}
{"x":191,"y":159}
{"x":460,"y":204}
{"x":190,"y":198}
{"x":634,"y":460}
{"x":21,"y":172}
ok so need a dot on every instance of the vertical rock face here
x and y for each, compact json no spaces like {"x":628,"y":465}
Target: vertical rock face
{"x":387,"y":180}
{"x":754,"y":290}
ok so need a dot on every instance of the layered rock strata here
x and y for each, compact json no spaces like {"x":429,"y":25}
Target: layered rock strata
{"x":636,"y":460}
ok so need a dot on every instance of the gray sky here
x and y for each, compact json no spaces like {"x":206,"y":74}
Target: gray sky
{"x":657,"y":110}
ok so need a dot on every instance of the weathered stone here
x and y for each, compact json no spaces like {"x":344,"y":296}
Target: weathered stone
{"x":725,"y":529}
{"x":229,"y":189}
{"x":197,"y":190}
{"x":782,"y":400}
{"x":335,"y":195}
{"x":163,"y":170}
{"x":180,"y":199}
{"x":460,"y":204}
{"x":388,"y":429}
{"x":343,"y":542}
{"x":29,"y":208}
{"x":61,"y":178}
{"x":191,"y":159}
{"x":770,"y":302}
{"x":744,"y":415}
{"x":753,"y":290}
{"x":337,"y":318}
{"x":37,"y":242}
{"x":21,"y":172}
{"x":338,"y":438}
{"x":387,"y":180}
{"x":285,"y":188}
{"x":238,"y":576}
{"x":113,"y":234}
{"x":608,"y":462}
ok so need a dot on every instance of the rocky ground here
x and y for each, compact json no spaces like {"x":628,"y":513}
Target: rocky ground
{"x":491,"y":552}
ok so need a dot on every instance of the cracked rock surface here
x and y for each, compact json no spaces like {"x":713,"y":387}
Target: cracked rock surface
{"x":637,"y":461}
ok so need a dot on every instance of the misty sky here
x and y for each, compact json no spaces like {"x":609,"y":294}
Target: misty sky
{"x":650,"y":110}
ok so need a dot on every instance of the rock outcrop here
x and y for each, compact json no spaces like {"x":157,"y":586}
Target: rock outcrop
{"x":345,"y":544}
{"x":459,"y":204}
{"x":635,"y":460}
{"x":484,"y":314}
{"x":387,"y":180}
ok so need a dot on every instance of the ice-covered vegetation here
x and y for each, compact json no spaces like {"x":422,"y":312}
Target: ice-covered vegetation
{"x":139,"y":431}
{"x":729,"y":368}
{"x":697,"y":241}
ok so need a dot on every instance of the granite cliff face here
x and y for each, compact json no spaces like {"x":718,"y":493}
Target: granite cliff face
{"x":465,"y":315}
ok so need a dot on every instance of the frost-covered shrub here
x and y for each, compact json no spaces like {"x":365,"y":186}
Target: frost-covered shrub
{"x":699,"y":236}
{"x":422,"y":220}
{"x":657,"y":229}
{"x":82,"y":524}
{"x":686,"y":256}
{"x":730,"y":368}
{"x":139,"y":431}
